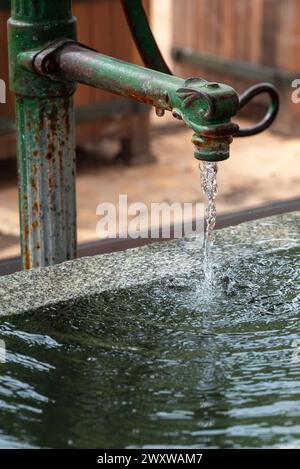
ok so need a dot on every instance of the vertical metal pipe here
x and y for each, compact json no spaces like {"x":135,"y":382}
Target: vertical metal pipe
{"x":45,"y":135}
{"x":46,"y":180}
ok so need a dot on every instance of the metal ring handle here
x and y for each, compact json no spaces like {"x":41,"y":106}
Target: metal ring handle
{"x":272,"y":111}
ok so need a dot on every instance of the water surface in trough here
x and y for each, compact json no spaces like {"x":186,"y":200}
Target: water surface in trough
{"x":169,"y":364}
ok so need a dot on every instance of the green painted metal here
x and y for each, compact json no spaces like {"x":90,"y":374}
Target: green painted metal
{"x":46,"y":63}
{"x":205,"y":107}
{"x":46,"y":158}
{"x":33,"y":25}
{"x":45,"y":134}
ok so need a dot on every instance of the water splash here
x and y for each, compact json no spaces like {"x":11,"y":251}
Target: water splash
{"x":200,"y":357}
{"x":208,"y":172}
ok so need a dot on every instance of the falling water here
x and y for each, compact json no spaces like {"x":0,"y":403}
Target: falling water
{"x":208,"y":171}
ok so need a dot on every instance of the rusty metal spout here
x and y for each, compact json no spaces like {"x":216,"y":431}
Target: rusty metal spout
{"x":205,"y":107}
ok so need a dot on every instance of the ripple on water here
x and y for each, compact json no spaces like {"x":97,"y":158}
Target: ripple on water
{"x":176,"y":363}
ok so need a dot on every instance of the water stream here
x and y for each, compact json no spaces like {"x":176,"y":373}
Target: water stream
{"x":208,"y":172}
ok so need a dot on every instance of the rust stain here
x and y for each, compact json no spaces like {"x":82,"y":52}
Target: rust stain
{"x":27,"y":253}
{"x":33,"y":184}
{"x":26,"y":231}
{"x":35,"y":225}
{"x":51,"y":151}
{"x":51,"y":182}
{"x":67,"y":116}
{"x":61,"y":164}
{"x":53,"y":116}
{"x":51,"y":147}
{"x":36,"y":207}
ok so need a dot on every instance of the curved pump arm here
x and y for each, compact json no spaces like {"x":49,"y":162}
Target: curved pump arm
{"x":206,"y":108}
{"x":152,"y":58}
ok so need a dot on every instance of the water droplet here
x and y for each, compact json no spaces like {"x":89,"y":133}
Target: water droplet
{"x":159,"y":112}
{"x":176,"y":115}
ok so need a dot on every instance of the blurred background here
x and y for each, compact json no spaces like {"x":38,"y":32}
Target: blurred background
{"x":124,"y":148}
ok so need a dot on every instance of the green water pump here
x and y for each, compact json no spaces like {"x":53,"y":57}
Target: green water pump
{"x":46,"y":64}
